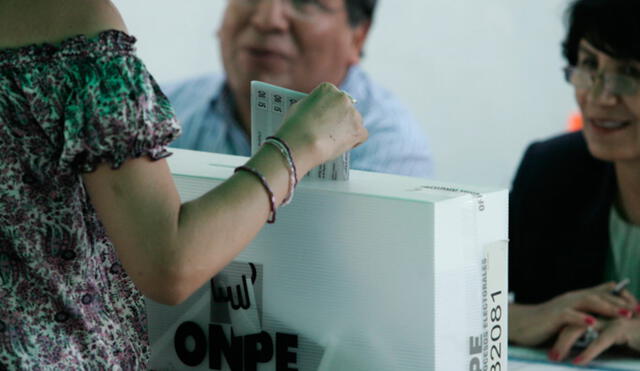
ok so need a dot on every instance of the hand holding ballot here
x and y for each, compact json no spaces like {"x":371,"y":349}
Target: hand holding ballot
{"x":322,"y":126}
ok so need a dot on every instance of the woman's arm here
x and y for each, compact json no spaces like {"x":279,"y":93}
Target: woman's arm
{"x":169,"y":249}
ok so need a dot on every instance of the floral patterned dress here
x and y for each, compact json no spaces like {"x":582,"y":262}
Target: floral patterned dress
{"x":65,"y":301}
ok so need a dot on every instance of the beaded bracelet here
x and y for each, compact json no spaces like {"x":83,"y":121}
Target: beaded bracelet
{"x":263,"y":180}
{"x":285,"y":150}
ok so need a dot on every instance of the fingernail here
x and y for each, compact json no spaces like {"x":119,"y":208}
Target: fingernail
{"x":590,"y":320}
{"x":638,"y":308}
{"x":553,"y":355}
{"x":577,"y":360}
{"x":625,"y":312}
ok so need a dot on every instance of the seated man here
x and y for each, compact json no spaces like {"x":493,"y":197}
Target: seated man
{"x":297,"y":44}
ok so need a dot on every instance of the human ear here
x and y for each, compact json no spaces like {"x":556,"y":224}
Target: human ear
{"x":359,"y":35}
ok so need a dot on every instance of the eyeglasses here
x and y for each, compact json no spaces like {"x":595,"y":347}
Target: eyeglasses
{"x":587,"y":79}
{"x":301,"y":9}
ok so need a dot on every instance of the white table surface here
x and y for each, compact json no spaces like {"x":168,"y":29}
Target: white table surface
{"x":526,"y":359}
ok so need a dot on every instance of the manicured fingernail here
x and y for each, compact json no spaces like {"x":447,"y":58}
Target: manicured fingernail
{"x":625,"y":312}
{"x":638,"y":308}
{"x":553,"y":355}
{"x":590,"y":320}
{"x":577,"y":360}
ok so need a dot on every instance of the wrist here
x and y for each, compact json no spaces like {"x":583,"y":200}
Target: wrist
{"x":305,"y":150}
{"x":268,"y":161}
{"x":287,"y":157}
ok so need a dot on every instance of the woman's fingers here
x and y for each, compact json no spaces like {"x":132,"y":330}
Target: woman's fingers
{"x":566,"y":339}
{"x":573,"y":314}
{"x":574,"y":317}
{"x":632,"y":302}
{"x":573,"y":324}
{"x":620,"y":331}
{"x":534,"y":324}
{"x":621,"y":298}
{"x":324,"y":125}
{"x":603,"y":304}
{"x":608,"y":336}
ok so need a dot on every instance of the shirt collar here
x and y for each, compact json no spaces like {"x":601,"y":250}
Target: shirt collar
{"x":350,"y":81}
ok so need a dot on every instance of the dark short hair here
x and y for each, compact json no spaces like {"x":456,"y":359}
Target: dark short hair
{"x":611,"y":26}
{"x":360,"y":11}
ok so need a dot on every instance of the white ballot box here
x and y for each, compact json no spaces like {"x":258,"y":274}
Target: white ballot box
{"x":380,"y":272}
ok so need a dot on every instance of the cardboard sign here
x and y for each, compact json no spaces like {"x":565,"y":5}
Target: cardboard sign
{"x":381,"y":272}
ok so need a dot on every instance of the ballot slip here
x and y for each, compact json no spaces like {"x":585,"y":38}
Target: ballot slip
{"x":382,"y":272}
{"x":269,"y":104}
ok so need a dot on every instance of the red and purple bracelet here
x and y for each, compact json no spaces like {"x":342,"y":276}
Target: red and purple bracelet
{"x":263,"y":180}
{"x":285,"y":150}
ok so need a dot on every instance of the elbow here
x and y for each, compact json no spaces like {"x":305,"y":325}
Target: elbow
{"x":171,"y":278}
{"x":166,"y":298}
{"x":169,"y":288}
{"x":168,"y":295}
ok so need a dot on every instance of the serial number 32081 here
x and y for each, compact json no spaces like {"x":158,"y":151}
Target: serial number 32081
{"x":495,"y":334}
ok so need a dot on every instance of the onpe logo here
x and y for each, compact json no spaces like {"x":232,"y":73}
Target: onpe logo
{"x":234,"y":333}
{"x":233,"y":290}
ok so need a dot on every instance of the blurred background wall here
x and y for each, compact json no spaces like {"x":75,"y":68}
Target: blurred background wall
{"x":483,"y":77}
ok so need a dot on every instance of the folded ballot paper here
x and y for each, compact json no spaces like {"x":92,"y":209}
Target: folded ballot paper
{"x":381,"y":272}
{"x":269,"y":104}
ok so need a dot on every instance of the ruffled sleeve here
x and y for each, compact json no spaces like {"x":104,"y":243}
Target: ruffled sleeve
{"x":115,"y":111}
{"x":92,"y":99}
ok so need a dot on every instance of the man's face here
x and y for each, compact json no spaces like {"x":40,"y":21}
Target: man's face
{"x":296,"y":44}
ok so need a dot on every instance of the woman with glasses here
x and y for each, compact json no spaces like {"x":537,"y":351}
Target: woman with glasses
{"x":575,"y":201}
{"x":90,"y":218}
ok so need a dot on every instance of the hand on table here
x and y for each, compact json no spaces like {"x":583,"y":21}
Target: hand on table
{"x":618,"y":331}
{"x":532,"y":325}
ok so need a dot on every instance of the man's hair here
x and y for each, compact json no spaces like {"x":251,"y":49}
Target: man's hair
{"x":611,"y":26}
{"x":360,"y":11}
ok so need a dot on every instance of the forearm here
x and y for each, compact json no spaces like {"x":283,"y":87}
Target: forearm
{"x":169,"y":249}
{"x":214,"y":228}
